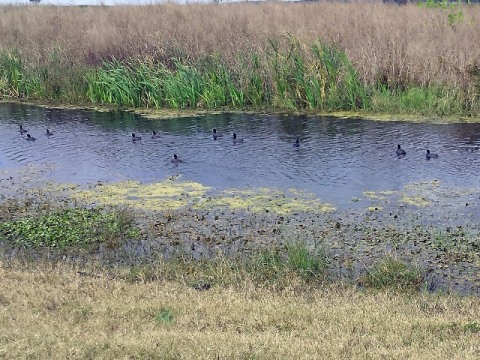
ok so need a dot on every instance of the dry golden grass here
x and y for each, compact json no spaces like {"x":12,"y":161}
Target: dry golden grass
{"x":57,"y":314}
{"x":407,"y":43}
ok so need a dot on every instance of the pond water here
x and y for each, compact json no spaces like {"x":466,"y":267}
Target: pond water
{"x":338,"y":159}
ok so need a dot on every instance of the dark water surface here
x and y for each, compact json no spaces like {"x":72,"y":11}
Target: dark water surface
{"x":337,"y":160}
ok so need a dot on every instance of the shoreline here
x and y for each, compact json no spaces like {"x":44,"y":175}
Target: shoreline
{"x":441,"y":241}
{"x":159,"y":114}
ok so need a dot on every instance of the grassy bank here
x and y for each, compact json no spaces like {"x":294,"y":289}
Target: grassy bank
{"x":187,"y":283}
{"x":59,"y":313}
{"x":298,"y":57}
{"x":226,"y":243}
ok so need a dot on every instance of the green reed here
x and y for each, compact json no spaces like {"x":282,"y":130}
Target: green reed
{"x":317,"y":78}
{"x":221,"y":88}
{"x":15,"y":81}
{"x":114,"y":84}
{"x":433,"y":100}
{"x":180,"y":87}
{"x":288,"y":75}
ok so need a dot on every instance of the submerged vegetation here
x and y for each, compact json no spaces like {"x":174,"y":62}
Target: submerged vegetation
{"x":244,"y":58}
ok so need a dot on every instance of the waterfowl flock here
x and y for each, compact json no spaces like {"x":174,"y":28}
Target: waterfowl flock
{"x":29,"y":137}
{"x":236,"y":140}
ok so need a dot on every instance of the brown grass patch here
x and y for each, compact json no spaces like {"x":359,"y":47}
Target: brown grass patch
{"x":57,"y":314}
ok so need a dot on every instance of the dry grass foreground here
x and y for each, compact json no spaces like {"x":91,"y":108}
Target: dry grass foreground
{"x":384,"y":41}
{"x":57,"y":314}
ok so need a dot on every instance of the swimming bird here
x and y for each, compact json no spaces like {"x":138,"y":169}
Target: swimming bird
{"x":154,"y":135}
{"x":136,"y":138}
{"x":236,"y":140}
{"x":400,"y":151}
{"x":176,"y":160}
{"x":431,"y":155}
{"x":30,"y":138}
{"x":216,"y":134}
{"x":21,"y":129}
{"x":296,"y":143}
{"x":48,"y":133}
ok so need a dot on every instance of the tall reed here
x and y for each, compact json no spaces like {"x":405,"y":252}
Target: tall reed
{"x":317,"y":77}
{"x":344,"y":56}
{"x":15,"y":81}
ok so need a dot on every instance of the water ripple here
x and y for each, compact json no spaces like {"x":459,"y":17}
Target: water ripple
{"x":337,"y":160}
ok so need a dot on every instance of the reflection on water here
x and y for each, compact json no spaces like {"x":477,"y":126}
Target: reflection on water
{"x":337,"y":159}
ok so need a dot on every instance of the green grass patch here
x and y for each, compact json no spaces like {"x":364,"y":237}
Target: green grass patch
{"x":271,"y":268}
{"x":297,"y":260}
{"x":66,"y":228}
{"x":467,"y":327}
{"x":431,"y":100}
{"x":392,"y":273}
{"x":473,"y":327}
{"x":309,"y":264}
{"x":165,"y":316}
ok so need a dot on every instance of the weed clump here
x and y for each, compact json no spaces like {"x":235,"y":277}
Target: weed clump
{"x":392,"y":273}
{"x":165,"y":316}
{"x":67,"y":228}
{"x":296,"y":261}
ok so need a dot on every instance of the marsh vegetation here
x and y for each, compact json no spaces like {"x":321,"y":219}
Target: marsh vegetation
{"x":224,"y":244}
{"x":112,"y":281}
{"x":131,"y":300}
{"x":417,"y":59}
{"x":110,"y":272}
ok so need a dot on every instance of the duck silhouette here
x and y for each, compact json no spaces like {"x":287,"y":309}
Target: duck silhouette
{"x":136,"y":138}
{"x":30,"y":138}
{"x":154,"y":135}
{"x":431,"y":155}
{"x":400,"y":151}
{"x":296,"y":143}
{"x":48,"y":133}
{"x":21,"y":130}
{"x":176,"y":160}
{"x":216,"y":134}
{"x":237,"y":140}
